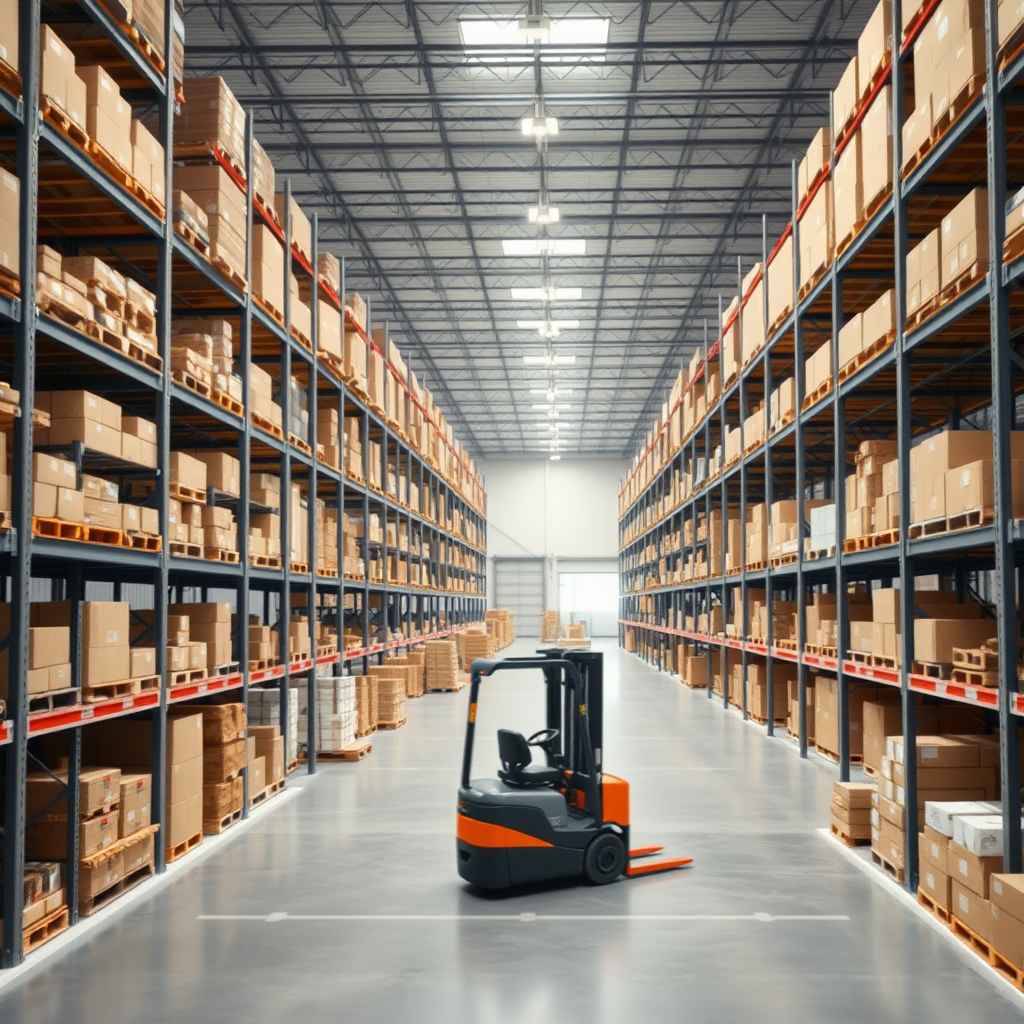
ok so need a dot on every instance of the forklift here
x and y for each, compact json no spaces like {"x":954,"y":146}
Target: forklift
{"x":560,"y":819}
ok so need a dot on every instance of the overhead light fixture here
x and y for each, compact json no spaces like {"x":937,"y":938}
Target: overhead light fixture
{"x":542,"y":213}
{"x":588,"y":38}
{"x":546,"y":293}
{"x":548,"y":328}
{"x":549,"y":360}
{"x":540,"y":125}
{"x":544,"y":246}
{"x":551,"y":405}
{"x":556,"y":457}
{"x":551,"y":393}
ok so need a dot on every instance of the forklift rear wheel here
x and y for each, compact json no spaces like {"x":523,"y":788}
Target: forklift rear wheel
{"x":605,"y":859}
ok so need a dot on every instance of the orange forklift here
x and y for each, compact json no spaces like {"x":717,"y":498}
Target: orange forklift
{"x":560,"y":819}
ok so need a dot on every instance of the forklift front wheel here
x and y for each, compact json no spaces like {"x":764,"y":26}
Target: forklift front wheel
{"x":605,"y":859}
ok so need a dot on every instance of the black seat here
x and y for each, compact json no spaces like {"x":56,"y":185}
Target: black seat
{"x":516,"y":769}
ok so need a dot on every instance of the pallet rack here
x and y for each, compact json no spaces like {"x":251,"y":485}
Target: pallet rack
{"x":41,"y":351}
{"x":960,"y":363}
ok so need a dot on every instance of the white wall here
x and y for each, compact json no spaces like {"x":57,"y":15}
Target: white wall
{"x":565,"y":511}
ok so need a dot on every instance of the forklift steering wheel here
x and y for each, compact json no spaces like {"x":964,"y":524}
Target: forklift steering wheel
{"x":543,"y":737}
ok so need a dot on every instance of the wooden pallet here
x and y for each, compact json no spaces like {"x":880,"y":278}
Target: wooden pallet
{"x":96,"y":692}
{"x":832,"y":756}
{"x":275,"y":314}
{"x":228,"y":271}
{"x":818,"y":553}
{"x":968,"y":279}
{"x":41,"y":932}
{"x":782,"y":560}
{"x":298,"y":567}
{"x":866,"y":355}
{"x":54,"y":699}
{"x":262,"y":665}
{"x":296,"y":442}
{"x":782,"y":424}
{"x":932,"y":669}
{"x":301,"y":338}
{"x":821,"y":651}
{"x":57,"y":116}
{"x":333,"y":573}
{"x":142,"y":541}
{"x":186,"y":494}
{"x":931,"y":906}
{"x":214,"y":826}
{"x":976,"y":659}
{"x":184,"y":677}
{"x":897,"y":873}
{"x":190,"y":381}
{"x":756,"y":566}
{"x":808,"y":286}
{"x":975,"y":677}
{"x":179,"y":549}
{"x":850,"y":237}
{"x":764,"y":721}
{"x":221,"y":555}
{"x":393,"y":725}
{"x":883,"y":661}
{"x":266,"y":425}
{"x":265,"y":561}
{"x":928,"y":528}
{"x":353,"y":752}
{"x":971,"y":519}
{"x":272,"y":790}
{"x":10,"y":80}
{"x":860,"y":657}
{"x":191,"y":235}
{"x":86,"y":907}
{"x":850,"y":840}
{"x":872,"y":206}
{"x":174,"y":853}
{"x":225,"y":401}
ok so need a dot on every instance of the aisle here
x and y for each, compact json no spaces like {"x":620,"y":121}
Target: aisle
{"x":237,"y":939}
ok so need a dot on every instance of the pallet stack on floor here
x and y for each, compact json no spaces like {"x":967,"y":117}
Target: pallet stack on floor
{"x":442,"y":665}
{"x":550,"y":627}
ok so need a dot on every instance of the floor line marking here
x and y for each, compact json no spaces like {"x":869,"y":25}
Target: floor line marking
{"x":883,"y":881}
{"x":526,"y":918}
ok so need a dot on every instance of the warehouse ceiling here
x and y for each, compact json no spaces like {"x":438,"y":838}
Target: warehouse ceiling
{"x":400,"y":124}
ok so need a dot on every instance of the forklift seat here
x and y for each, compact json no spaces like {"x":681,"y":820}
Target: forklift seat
{"x":516,"y":770}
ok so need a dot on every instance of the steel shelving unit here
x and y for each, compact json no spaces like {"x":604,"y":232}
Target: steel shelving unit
{"x":41,"y":352}
{"x":960,"y":366}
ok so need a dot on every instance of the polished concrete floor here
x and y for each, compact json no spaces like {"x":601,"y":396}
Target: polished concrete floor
{"x":344,"y":904}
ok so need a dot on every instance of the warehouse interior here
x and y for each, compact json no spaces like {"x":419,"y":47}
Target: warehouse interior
{"x":450,"y":448}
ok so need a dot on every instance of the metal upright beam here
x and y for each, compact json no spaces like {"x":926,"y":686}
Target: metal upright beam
{"x":1003,"y":409}
{"x":21,"y":493}
{"x":904,"y":427}
{"x":798,"y":376}
{"x":312,"y":439}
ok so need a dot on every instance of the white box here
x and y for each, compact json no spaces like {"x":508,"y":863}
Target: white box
{"x":940,"y":814}
{"x":982,"y":834}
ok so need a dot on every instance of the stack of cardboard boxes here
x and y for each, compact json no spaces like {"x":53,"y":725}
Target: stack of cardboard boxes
{"x":266,"y":742}
{"x":872,"y":498}
{"x":390,"y":701}
{"x":207,"y":629}
{"x":210,"y":187}
{"x":851,"y":810}
{"x":265,"y":710}
{"x":224,"y":757}
{"x":442,"y":665}
{"x":366,"y":705}
{"x":336,"y":716}
{"x":870,"y":331}
{"x":261,"y":396}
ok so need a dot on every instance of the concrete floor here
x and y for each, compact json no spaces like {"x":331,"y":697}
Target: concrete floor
{"x":376,"y":839}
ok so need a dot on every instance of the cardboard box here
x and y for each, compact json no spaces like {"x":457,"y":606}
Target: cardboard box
{"x":9,"y":28}
{"x":223,"y":761}
{"x":223,"y":723}
{"x":222,"y":798}
{"x":108,"y":115}
{"x":105,"y":665}
{"x":934,"y":639}
{"x":142,"y":662}
{"x":57,"y":62}
{"x":268,"y":280}
{"x":964,"y":243}
{"x":939,"y":814}
{"x":223,"y":471}
{"x":98,"y":792}
{"x":972,"y":909}
{"x":184,"y":820}
{"x":136,"y":798}
{"x":185,"y":779}
{"x":184,"y":737}
{"x":874,"y":46}
{"x":845,"y":96}
{"x":257,"y":770}
{"x":971,"y":871}
{"x":104,"y":623}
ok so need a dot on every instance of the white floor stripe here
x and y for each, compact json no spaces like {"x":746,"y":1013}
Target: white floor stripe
{"x":527,"y":918}
{"x":880,"y":878}
{"x":87,"y":925}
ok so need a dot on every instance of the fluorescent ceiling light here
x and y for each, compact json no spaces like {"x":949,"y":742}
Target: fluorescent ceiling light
{"x":541,"y":326}
{"x":543,"y":214}
{"x":549,"y":406}
{"x":544,"y":246}
{"x":587,"y":36}
{"x":539,"y":127}
{"x":547,"y":293}
{"x":549,"y":360}
{"x":551,"y":393}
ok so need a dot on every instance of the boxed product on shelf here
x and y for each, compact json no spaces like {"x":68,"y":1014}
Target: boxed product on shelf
{"x":816,"y":245}
{"x":59,"y":81}
{"x":355,"y":304}
{"x":263,"y":176}
{"x":329,"y":269}
{"x":267,"y":270}
{"x":922,"y":272}
{"x":366,"y":705}
{"x":10,"y":223}
{"x":208,"y":623}
{"x":875,"y":135}
{"x":261,"y":390}
{"x":329,"y":329}
{"x":43,"y":886}
{"x":136,"y":803}
{"x":9,"y":28}
{"x":301,"y":315}
{"x":108,"y":115}
{"x":138,"y":441}
{"x":188,"y":475}
{"x":963,"y":241}
{"x":212,"y":189}
{"x":265,"y":489}
{"x":265,"y":710}
{"x":80,"y":416}
{"x":223,"y":471}
{"x":301,"y":229}
{"x":211,"y":115}
{"x":845,"y":97}
{"x":147,"y":164}
{"x":189,"y":214}
{"x":299,"y":641}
